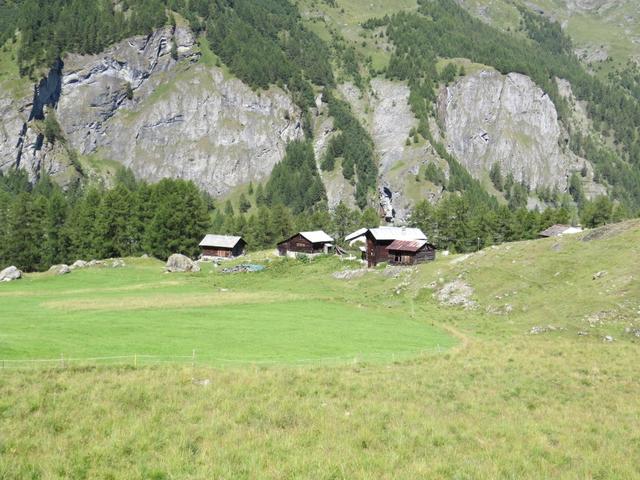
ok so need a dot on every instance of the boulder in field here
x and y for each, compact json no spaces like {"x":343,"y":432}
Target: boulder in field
{"x":78,"y":264}
{"x":118,"y":263}
{"x":60,"y":269}
{"x":9,"y":274}
{"x":181,"y":263}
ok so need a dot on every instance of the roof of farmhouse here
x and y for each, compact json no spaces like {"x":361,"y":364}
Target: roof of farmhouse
{"x":222,"y":241}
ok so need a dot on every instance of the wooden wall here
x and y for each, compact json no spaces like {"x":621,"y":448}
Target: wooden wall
{"x":425,"y":254}
{"x":299,"y":244}
{"x":236,"y":251}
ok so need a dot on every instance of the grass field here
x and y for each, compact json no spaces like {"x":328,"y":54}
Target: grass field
{"x":528,"y":385}
{"x":139,"y":309}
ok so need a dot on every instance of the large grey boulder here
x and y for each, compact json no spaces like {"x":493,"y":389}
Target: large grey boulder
{"x":181,"y":263}
{"x":9,"y":274}
{"x":78,"y":264}
{"x":60,"y":269}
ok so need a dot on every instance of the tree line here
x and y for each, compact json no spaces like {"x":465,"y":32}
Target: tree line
{"x":49,"y":28}
{"x":42,"y":224}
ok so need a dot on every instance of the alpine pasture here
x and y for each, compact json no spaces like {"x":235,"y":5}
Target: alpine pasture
{"x":519,"y":361}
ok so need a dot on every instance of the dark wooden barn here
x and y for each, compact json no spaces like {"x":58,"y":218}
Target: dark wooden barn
{"x":410,"y":252}
{"x":222,"y":246}
{"x":378,"y":239}
{"x":310,"y":243}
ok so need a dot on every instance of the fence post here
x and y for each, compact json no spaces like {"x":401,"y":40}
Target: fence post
{"x":135,"y":360}
{"x":193,"y":359}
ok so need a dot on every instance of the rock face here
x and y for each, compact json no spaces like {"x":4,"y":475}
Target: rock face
{"x":489,"y":118}
{"x":386,"y":114}
{"x":181,"y":263}
{"x":160,"y":116}
{"x":9,"y":274}
{"x":22,"y":142}
{"x":183,"y":121}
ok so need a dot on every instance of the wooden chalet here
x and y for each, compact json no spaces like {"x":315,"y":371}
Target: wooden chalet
{"x":309,"y":243}
{"x":222,"y":246}
{"x":410,"y":252}
{"x":378,"y":239}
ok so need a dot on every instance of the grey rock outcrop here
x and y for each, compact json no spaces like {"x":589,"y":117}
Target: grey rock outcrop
{"x":185,"y":120}
{"x":10,"y":274}
{"x":385,"y":112}
{"x":181,"y":263}
{"x":489,"y":118}
{"x":162,"y":117}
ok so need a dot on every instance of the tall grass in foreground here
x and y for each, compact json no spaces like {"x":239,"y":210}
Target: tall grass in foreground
{"x":501,"y":403}
{"x":531,"y":408}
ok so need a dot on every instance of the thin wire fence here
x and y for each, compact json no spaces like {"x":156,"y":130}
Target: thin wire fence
{"x":138,"y":360}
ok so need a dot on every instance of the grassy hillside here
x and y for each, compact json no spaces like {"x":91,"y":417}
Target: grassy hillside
{"x":601,"y":26}
{"x":507,"y":401}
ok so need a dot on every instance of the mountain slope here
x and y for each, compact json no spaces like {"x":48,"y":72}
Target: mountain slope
{"x":166,"y":105}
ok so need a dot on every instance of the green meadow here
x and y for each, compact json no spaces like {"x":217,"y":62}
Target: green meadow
{"x":519,"y":361}
{"x":265,"y":317}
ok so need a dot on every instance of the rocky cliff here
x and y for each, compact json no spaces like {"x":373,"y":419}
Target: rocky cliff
{"x":159,"y":115}
{"x":492,"y":118}
{"x":179,"y":115}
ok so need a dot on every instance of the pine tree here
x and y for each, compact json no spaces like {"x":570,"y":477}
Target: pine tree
{"x":114,"y":227}
{"x":80,"y":228}
{"x":25,"y":232}
{"x":342,"y":221}
{"x":495,"y":174}
{"x":281,"y":222}
{"x":244,"y":204}
{"x":180,"y":221}
{"x":57,"y":243}
{"x":575,"y":189}
{"x":370,"y":218}
{"x":228,"y":208}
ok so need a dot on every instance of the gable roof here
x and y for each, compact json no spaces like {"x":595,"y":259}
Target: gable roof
{"x":397,"y":233}
{"x":358,"y":233}
{"x":407,"y":245}
{"x":559,"y":229}
{"x":317,"y":236}
{"x":222,"y":241}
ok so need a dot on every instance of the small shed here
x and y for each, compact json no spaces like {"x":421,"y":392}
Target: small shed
{"x":309,"y":243}
{"x":558,"y":230}
{"x":225,"y":246}
{"x":410,"y":252}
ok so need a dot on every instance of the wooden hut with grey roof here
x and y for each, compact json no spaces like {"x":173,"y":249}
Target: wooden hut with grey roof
{"x":378,"y":239}
{"x":308,"y":243}
{"x":225,"y":246}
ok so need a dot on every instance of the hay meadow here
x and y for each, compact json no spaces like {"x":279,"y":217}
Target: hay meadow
{"x":299,"y":374}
